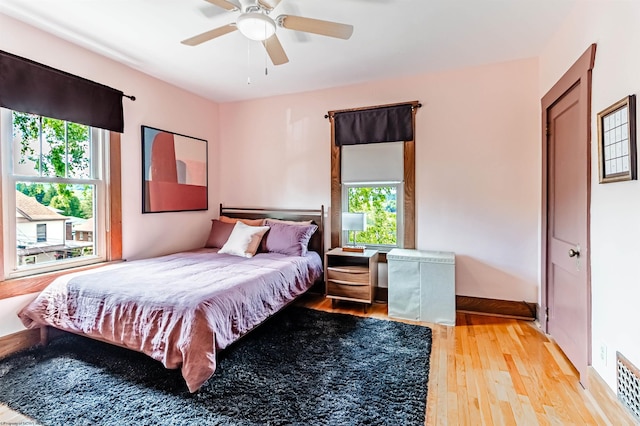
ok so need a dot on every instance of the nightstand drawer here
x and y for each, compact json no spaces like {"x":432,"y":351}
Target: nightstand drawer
{"x":349,"y":289}
{"x":350,"y":273}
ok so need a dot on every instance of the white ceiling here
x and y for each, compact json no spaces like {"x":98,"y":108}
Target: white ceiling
{"x":391,"y":38}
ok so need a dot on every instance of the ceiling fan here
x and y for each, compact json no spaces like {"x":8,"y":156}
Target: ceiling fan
{"x":255,"y":23}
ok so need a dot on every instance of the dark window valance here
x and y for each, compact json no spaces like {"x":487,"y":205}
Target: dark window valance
{"x":383,"y":124}
{"x":28,"y":86}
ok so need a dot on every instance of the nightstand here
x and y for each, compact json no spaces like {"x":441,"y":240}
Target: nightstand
{"x":351,"y":276}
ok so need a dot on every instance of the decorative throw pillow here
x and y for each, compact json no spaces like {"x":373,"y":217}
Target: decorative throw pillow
{"x":244,"y":240}
{"x":292,"y":240}
{"x":219,"y":234}
{"x":250,"y":222}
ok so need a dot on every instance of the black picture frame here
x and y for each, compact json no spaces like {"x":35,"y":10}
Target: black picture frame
{"x":175,"y":174}
{"x":617,"y":141}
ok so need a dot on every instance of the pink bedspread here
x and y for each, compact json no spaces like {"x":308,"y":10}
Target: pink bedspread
{"x":178,"y":309}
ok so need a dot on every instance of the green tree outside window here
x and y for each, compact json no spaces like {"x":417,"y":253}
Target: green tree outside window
{"x":380,"y":205}
{"x":65,"y":154}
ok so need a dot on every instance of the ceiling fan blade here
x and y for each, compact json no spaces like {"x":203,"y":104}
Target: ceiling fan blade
{"x":209,"y":35}
{"x":275,"y":50}
{"x":224,"y":4}
{"x":316,"y":26}
{"x":269,"y":4}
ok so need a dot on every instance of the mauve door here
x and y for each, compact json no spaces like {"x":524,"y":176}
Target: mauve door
{"x":567,"y":257}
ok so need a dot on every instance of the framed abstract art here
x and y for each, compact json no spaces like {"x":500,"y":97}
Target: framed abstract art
{"x":174,"y":172}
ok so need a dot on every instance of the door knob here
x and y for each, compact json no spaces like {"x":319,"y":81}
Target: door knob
{"x":574,"y":253}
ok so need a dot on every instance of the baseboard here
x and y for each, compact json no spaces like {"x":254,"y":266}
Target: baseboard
{"x":482,"y":306}
{"x":19,"y":341}
{"x":496,"y":307}
{"x":604,"y":397}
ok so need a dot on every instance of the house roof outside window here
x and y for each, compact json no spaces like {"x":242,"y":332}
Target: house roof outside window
{"x":85,"y":226}
{"x":32,"y":210}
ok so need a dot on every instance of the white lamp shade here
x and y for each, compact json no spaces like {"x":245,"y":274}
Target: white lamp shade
{"x":256,"y":26}
{"x":354,"y":221}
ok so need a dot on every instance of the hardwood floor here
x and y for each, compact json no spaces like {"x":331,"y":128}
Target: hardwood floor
{"x":495,"y":371}
{"x":484,"y":371}
{"x":10,"y":417}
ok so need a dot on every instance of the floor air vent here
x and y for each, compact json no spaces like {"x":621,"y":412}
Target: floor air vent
{"x":628,"y":385}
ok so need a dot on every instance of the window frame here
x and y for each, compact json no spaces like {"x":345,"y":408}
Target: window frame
{"x":113,"y":227}
{"x":99,"y":162}
{"x":409,"y":237}
{"x":43,"y":227}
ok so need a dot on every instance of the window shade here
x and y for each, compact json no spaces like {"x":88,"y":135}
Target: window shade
{"x":384,"y":124}
{"x":30,"y":87}
{"x":381,"y":162}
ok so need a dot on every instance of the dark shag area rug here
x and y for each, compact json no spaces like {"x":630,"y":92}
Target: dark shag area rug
{"x":302,"y":367}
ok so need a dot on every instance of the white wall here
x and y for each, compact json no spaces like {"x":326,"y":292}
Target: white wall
{"x":158,"y":105}
{"x":615,"y":207}
{"x":477,"y":164}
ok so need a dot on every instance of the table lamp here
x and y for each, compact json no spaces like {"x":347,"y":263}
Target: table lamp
{"x":353,"y":222}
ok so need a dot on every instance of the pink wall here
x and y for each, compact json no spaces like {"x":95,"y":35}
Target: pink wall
{"x":477,"y":164}
{"x":615,"y":207}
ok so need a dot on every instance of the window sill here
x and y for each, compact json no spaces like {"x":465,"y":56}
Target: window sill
{"x":36,"y":283}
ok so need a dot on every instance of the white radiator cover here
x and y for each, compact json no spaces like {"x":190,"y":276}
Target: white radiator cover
{"x":422,"y":285}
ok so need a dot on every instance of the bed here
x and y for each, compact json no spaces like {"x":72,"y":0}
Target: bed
{"x":182,"y":309}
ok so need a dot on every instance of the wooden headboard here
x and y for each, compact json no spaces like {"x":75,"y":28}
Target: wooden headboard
{"x":316,"y":216}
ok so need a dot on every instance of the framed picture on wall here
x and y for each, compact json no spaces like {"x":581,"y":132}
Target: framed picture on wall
{"x":174,"y":172}
{"x":617,"y":141}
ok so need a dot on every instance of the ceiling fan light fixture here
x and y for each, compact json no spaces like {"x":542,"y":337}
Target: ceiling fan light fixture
{"x":256,"y":26}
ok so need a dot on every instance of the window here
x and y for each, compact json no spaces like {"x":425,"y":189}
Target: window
{"x":42,"y":232}
{"x":365,"y":159}
{"x":53,"y":176}
{"x":41,"y":90}
{"x":382,"y":204}
{"x":372,"y":183}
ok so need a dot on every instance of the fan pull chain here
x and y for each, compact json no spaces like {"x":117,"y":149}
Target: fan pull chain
{"x":248,"y":62}
{"x":265,"y":52}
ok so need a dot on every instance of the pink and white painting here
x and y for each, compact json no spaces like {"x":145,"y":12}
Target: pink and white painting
{"x":174,"y":172}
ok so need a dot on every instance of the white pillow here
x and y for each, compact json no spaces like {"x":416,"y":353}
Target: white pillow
{"x":244,"y":240}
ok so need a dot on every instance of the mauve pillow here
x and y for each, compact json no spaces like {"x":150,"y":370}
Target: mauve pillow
{"x":219,"y":234}
{"x":291,"y":240}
